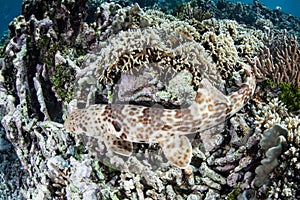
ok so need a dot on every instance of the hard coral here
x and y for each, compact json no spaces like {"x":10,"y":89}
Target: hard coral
{"x":280,"y":60}
{"x":269,"y":115}
{"x":272,"y":144}
{"x":169,"y":48}
{"x":229,"y":43}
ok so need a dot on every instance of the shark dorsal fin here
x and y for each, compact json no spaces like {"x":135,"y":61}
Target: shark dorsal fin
{"x":207,"y":93}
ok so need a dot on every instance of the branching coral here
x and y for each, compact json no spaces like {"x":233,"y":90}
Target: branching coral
{"x":279,"y":64}
{"x":229,"y":43}
{"x":279,"y":61}
{"x":168,"y":48}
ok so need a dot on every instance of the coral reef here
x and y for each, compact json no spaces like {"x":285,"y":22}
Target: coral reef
{"x":10,"y":179}
{"x":277,"y":66}
{"x":274,"y":114}
{"x":257,"y":15}
{"x":62,"y":55}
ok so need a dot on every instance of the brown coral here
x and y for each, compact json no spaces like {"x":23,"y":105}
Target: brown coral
{"x":279,"y":61}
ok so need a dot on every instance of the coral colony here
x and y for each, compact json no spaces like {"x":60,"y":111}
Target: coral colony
{"x":156,"y":100}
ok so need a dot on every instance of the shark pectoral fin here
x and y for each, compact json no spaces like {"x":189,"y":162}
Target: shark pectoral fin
{"x":118,"y":145}
{"x":178,"y":150}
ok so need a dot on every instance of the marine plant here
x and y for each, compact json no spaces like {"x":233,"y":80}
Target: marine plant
{"x":290,"y":95}
{"x":62,"y":79}
{"x":287,"y":93}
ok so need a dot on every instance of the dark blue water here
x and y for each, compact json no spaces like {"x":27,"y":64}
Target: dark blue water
{"x":8,"y":10}
{"x":288,"y":6}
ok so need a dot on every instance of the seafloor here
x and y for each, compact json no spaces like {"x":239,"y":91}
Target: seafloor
{"x":62,"y":55}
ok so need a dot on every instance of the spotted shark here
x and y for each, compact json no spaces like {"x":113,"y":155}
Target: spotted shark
{"x":121,"y":125}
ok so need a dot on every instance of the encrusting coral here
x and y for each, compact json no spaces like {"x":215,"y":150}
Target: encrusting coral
{"x":271,"y":142}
